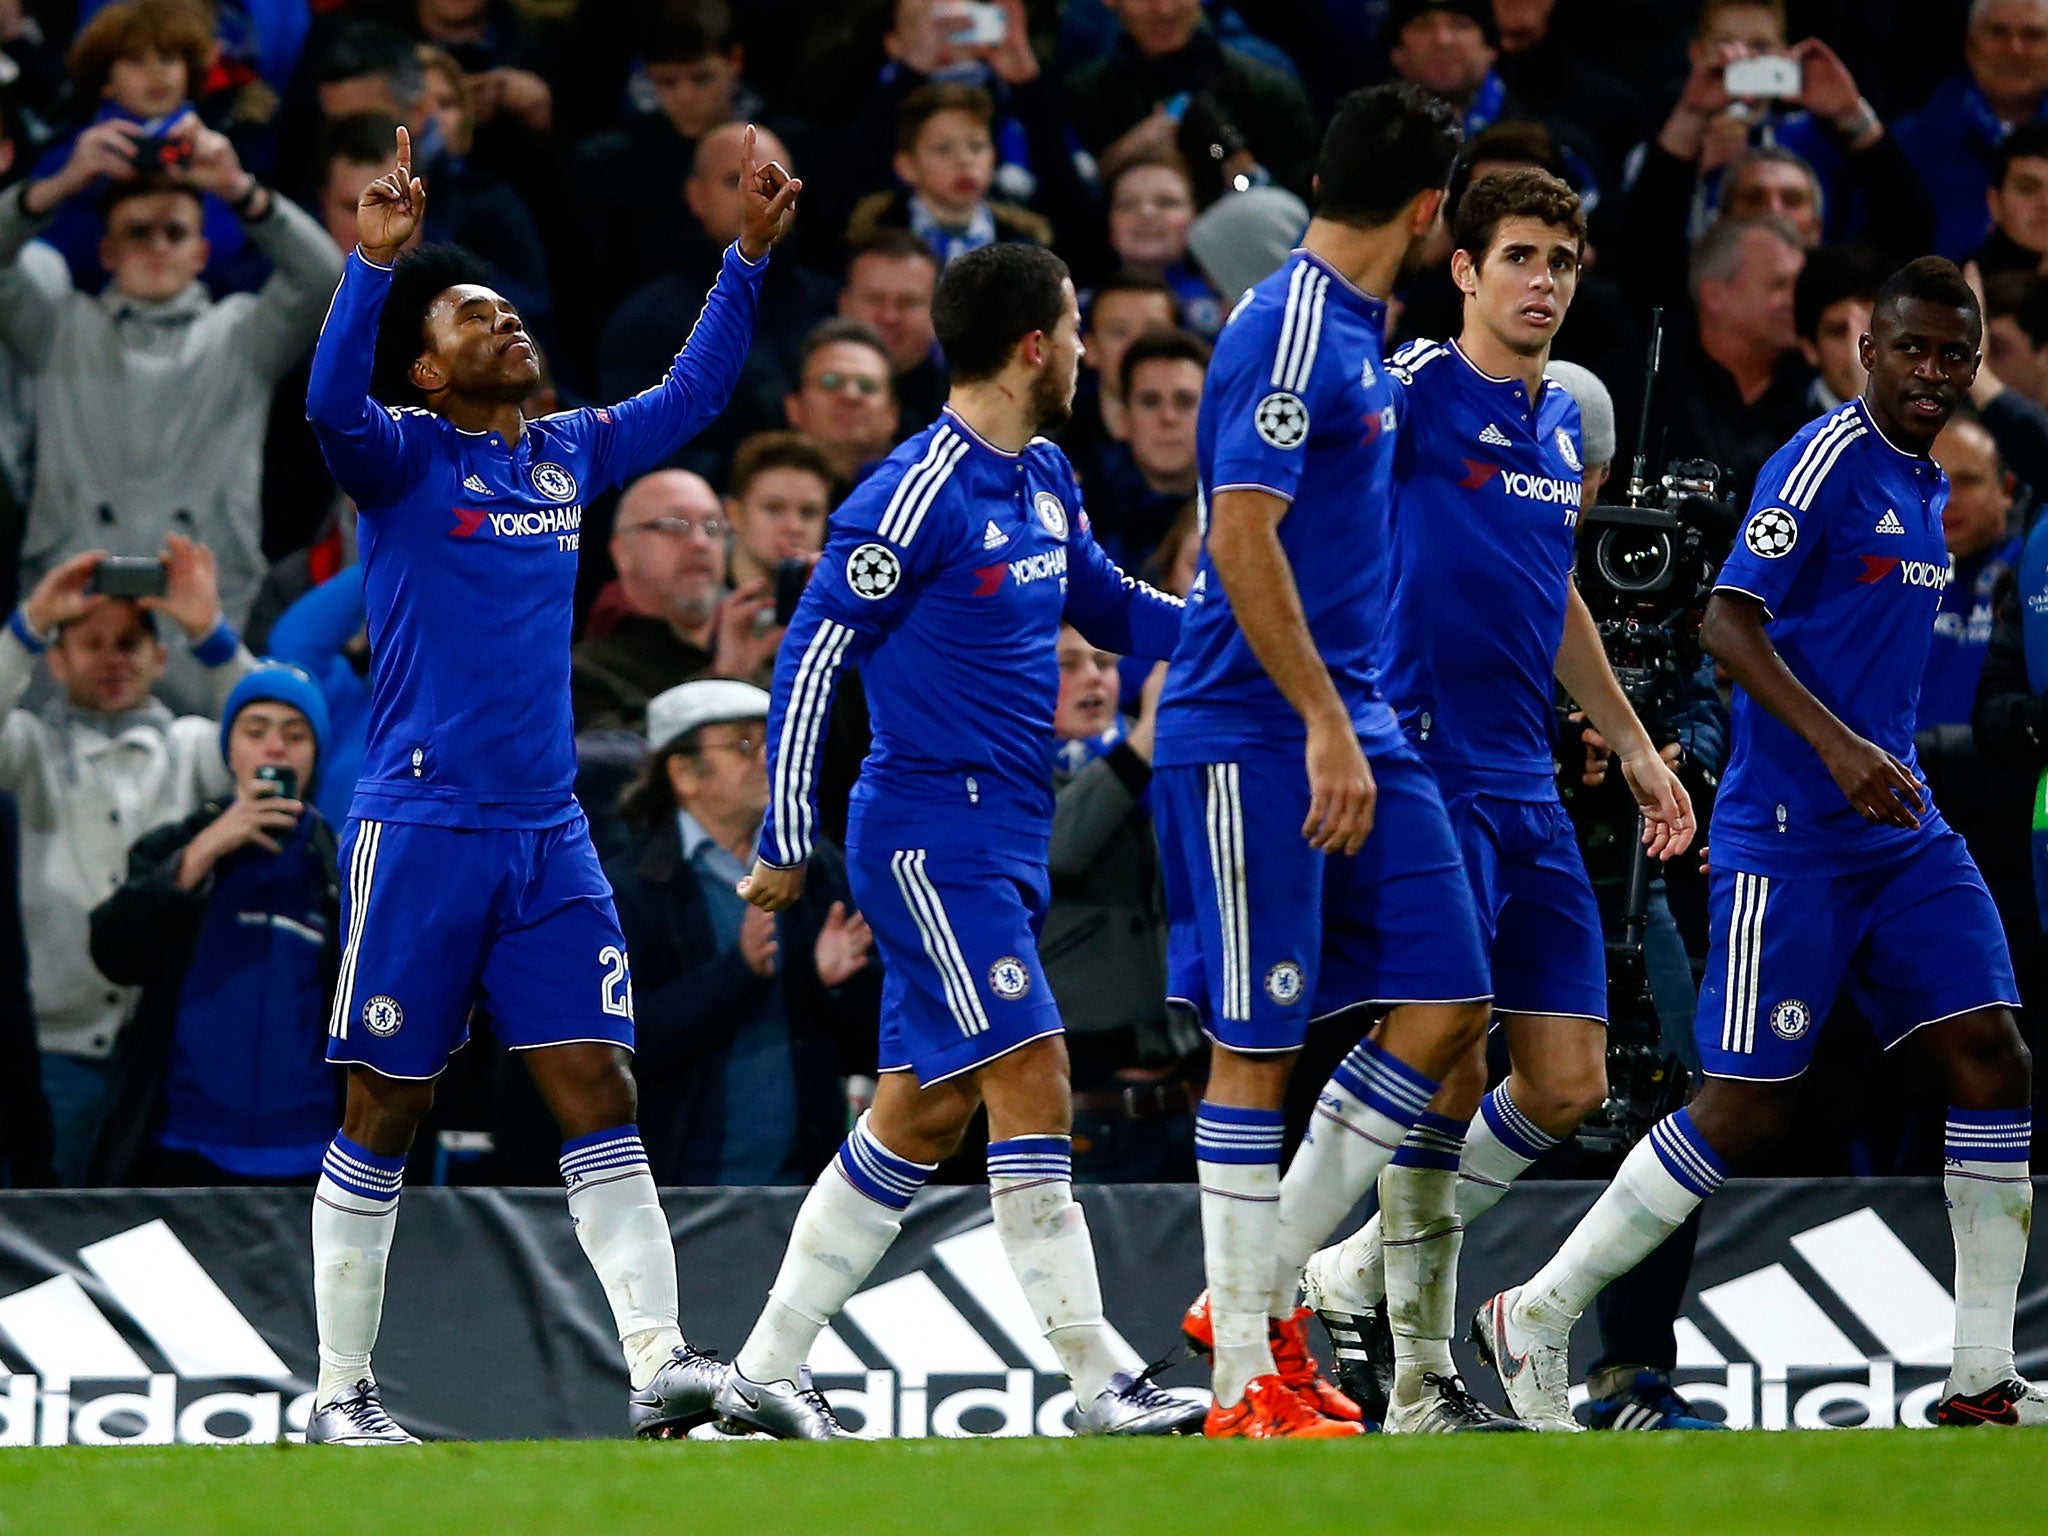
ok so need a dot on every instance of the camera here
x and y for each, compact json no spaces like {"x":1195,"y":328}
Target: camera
{"x":286,"y":780}
{"x":162,"y":152}
{"x":1770,"y":78}
{"x":130,"y":576}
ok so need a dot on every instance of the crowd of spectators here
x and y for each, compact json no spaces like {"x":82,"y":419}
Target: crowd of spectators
{"x":178,"y":181}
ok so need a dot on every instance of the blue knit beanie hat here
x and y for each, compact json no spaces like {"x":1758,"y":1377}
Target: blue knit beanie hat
{"x":279,"y":682}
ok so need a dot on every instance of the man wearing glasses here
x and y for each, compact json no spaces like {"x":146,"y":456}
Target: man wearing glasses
{"x":741,"y":1014}
{"x":669,"y":617}
{"x":151,"y":397}
{"x":845,"y":399}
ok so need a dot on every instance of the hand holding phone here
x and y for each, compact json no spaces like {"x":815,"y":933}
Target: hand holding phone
{"x":1769,"y":77}
{"x":977,"y":24}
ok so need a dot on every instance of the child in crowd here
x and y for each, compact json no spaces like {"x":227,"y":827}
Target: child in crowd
{"x":946,"y":157}
{"x":1151,"y":205}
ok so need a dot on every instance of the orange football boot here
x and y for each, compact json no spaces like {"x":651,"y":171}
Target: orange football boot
{"x":1291,"y":1358}
{"x":1272,"y":1410}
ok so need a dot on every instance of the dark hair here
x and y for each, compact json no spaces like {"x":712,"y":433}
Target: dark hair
{"x":1132,"y":280}
{"x":370,"y":48}
{"x":684,"y":31}
{"x":649,"y":801}
{"x":1718,"y":251}
{"x":136,"y":27}
{"x":1512,"y":143}
{"x":1384,"y":145}
{"x":1160,"y":343}
{"x":830,"y":332}
{"x":355,"y":138}
{"x":763,"y":451}
{"x":1831,"y":274}
{"x":420,"y":277}
{"x":1478,"y":12}
{"x":928,"y":101}
{"x":894,"y":242}
{"x":1114,"y":167}
{"x":2023,"y":296}
{"x":148,"y":184}
{"x":1519,"y":192}
{"x":991,"y":299}
{"x":2029,"y":141}
{"x":1933,"y":280}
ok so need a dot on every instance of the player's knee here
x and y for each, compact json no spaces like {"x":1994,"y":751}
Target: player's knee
{"x":384,"y":1113}
{"x":1463,"y":1086}
{"x":1989,"y":1064}
{"x":1741,"y":1122}
{"x":1468,"y":1023}
{"x":1562,"y":1097}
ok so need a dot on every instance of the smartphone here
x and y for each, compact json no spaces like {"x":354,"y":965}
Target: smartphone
{"x":790,"y":578}
{"x":979,"y":25}
{"x":1772,"y":77}
{"x":286,"y":780}
{"x":162,"y":152}
{"x":129,"y":576}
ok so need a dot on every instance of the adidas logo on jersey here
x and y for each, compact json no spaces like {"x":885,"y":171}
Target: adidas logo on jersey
{"x":1850,"y":1300}
{"x":993,"y":537}
{"x":1890,"y":523}
{"x":1492,"y":434}
{"x":963,"y":1316}
{"x":164,"y":1294}
{"x":475,"y":486}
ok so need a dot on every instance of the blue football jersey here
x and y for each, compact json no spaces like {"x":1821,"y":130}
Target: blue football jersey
{"x":1486,"y":512}
{"x":945,"y":580}
{"x":469,"y":551}
{"x":1843,"y":546}
{"x":1296,"y":404}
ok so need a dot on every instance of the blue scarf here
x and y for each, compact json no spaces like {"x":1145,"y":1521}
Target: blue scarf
{"x":947,"y":243}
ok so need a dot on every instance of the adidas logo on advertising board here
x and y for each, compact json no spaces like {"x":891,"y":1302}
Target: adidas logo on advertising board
{"x":1793,"y":1322}
{"x":90,"y":1385}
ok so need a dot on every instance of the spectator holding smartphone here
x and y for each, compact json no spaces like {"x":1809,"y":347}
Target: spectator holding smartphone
{"x":228,"y":922}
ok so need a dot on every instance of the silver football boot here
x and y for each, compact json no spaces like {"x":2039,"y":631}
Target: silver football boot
{"x":682,"y":1395}
{"x":1134,"y":1404}
{"x":787,"y":1410}
{"x":357,"y":1417}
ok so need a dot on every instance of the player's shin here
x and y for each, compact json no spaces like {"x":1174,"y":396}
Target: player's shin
{"x":1044,"y":1233}
{"x":846,"y":1224}
{"x":1418,"y":1205}
{"x":618,"y":1219}
{"x":1990,"y":1208}
{"x":1237,"y":1158}
{"x":1500,"y":1146}
{"x":1668,"y":1173}
{"x":355,"y":1210}
{"x":1361,"y":1117}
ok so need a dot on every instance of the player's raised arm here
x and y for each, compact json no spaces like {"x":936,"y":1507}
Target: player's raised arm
{"x":638,"y":433}
{"x":365,"y":447}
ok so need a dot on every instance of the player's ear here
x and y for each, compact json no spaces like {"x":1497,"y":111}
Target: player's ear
{"x":1866,"y":351}
{"x":1463,"y":273}
{"x":1422,"y":213}
{"x":426,"y":375}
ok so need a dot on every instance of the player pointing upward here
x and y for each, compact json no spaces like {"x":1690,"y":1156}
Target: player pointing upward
{"x":470,"y":878}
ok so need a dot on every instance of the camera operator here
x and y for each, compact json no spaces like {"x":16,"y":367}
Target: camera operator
{"x":229,"y":922}
{"x":1135,"y":1075}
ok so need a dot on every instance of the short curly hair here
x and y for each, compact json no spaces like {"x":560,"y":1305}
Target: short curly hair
{"x":180,"y":28}
{"x":1519,"y":192}
{"x":420,"y":277}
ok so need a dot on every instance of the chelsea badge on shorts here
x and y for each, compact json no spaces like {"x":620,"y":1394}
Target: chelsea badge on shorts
{"x":1283,"y":983}
{"x":1009,"y":978}
{"x":382,"y":1016}
{"x":1052,"y":514}
{"x":1791,"y":1019}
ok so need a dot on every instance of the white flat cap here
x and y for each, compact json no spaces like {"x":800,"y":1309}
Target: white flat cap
{"x":708,"y":701}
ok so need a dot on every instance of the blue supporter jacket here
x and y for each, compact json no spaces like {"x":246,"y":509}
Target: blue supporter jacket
{"x":469,"y":549}
{"x":945,"y":581}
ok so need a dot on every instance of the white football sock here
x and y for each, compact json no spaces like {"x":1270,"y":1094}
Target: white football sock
{"x":1045,"y":1235}
{"x":1418,"y":1205}
{"x":1666,"y":1175}
{"x":618,"y":1219}
{"x":355,"y":1212}
{"x":1360,"y":1119}
{"x":845,"y":1225}
{"x":1500,"y":1146}
{"x":1237,"y":1158}
{"x":1990,"y":1208}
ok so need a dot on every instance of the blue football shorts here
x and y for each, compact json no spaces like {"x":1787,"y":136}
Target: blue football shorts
{"x":1268,"y":934}
{"x":1915,"y":940}
{"x":957,"y":928}
{"x":1536,"y":909}
{"x":442,"y":919}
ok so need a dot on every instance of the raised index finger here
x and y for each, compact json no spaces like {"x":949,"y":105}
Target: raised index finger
{"x":747,"y":161}
{"x":404,"y":155}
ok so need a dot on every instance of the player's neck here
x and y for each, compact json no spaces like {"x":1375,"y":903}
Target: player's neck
{"x":1369,"y":259}
{"x":1891,"y":430}
{"x":1490,"y":356}
{"x":999,"y":410}
{"x":507,"y":420}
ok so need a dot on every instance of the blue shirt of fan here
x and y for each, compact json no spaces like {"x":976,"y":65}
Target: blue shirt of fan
{"x":945,"y":579}
{"x":1843,"y":546}
{"x":1962,"y":636}
{"x":1297,"y":404}
{"x":1486,"y":514}
{"x":469,"y":549}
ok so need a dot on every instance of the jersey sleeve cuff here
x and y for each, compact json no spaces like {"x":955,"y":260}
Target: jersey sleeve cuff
{"x":1770,"y":603}
{"x":356,"y":254}
{"x":217,"y":648}
{"x":738,"y":257}
{"x":1253,"y":485}
{"x":31,"y":642}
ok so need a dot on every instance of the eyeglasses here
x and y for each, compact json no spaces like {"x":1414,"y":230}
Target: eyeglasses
{"x":746,"y":747}
{"x":860,"y":383}
{"x":170,"y":231}
{"x":682,"y":527}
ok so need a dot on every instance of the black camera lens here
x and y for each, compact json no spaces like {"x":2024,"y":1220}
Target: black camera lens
{"x":1634,"y":559}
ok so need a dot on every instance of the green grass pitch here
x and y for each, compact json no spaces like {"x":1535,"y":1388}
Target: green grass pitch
{"x":1696,"y":1485}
